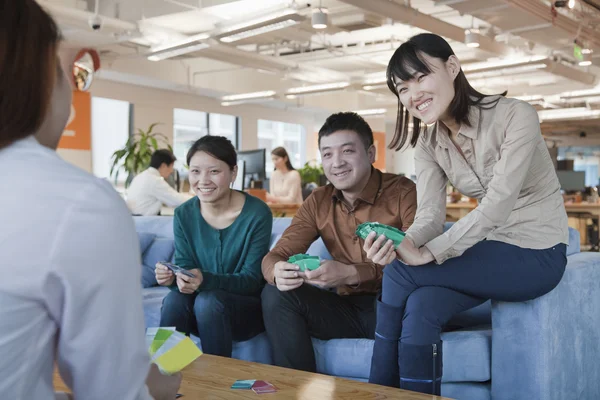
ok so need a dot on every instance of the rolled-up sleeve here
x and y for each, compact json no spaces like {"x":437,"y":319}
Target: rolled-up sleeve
{"x":521,"y":138}
{"x":431,"y":198}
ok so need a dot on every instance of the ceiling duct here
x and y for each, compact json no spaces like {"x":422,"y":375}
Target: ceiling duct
{"x":357,"y":21}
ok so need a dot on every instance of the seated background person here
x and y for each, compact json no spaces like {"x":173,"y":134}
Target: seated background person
{"x":296,"y":305}
{"x":221,"y":236}
{"x":149,"y":190}
{"x":285,"y":183}
{"x":70,"y":294}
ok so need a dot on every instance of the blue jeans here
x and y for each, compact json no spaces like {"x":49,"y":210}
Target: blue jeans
{"x":217,"y":317}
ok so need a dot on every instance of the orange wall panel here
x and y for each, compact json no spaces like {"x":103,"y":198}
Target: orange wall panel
{"x":77,"y":135}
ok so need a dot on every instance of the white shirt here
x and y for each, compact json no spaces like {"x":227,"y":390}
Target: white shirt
{"x":287,"y":188}
{"x":70,"y":290}
{"x":148,"y":191}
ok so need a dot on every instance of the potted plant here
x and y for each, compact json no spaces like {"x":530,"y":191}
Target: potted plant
{"x":135,"y":156}
{"x":311,"y":172}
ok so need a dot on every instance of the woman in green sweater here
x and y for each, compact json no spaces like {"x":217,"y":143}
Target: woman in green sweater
{"x":221,"y":237}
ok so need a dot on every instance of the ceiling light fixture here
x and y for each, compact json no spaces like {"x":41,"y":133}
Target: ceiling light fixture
{"x":371,"y":112}
{"x":587,"y":58}
{"x":178,"y":48}
{"x":568,"y":113}
{"x":259,"y":26}
{"x":319,"y":17}
{"x":471,"y":39}
{"x":249,"y":96}
{"x":326,"y":87}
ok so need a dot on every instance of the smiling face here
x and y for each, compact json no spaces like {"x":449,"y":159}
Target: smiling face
{"x":210,"y":178}
{"x":346,"y":162}
{"x":427,"y":94}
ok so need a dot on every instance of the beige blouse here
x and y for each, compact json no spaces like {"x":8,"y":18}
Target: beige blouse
{"x":287,"y":188}
{"x":505,"y":164}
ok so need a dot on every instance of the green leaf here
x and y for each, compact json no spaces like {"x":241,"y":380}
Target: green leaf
{"x":154,"y":143}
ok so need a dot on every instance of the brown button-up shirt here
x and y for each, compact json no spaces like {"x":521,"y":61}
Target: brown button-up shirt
{"x":388,"y":199}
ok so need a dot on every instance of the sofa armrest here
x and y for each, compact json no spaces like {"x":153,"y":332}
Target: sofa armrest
{"x":547,"y":348}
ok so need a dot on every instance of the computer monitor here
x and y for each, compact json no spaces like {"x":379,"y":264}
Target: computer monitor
{"x":238,"y":184}
{"x":255,"y":165}
{"x":571,"y":180}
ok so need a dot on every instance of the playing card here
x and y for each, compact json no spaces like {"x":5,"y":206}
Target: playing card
{"x":243,"y":384}
{"x":261,"y":387}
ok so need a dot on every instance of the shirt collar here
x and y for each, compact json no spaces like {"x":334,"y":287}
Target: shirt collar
{"x":154,"y":171}
{"x":471,"y":132}
{"x":370,"y":191}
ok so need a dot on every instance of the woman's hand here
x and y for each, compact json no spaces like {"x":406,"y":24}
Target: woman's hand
{"x":410,"y":255}
{"x":164,"y":276}
{"x":188,"y":285}
{"x":379,"y":251}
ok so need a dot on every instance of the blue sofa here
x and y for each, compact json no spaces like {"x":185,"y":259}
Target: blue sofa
{"x":545,"y":349}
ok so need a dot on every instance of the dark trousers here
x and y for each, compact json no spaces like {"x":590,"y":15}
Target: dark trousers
{"x":217,"y":317}
{"x":428,"y":296}
{"x":432,"y":294}
{"x":293,"y":317}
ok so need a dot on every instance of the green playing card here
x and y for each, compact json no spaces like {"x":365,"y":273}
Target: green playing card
{"x":304,"y":261}
{"x":395,"y":234}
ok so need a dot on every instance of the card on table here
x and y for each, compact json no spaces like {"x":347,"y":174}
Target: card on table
{"x":261,"y":387}
{"x":243,"y":384}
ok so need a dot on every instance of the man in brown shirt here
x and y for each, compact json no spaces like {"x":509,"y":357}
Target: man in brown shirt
{"x":337,"y":300}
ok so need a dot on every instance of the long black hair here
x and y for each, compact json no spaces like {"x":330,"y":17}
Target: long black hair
{"x":406,"y":62}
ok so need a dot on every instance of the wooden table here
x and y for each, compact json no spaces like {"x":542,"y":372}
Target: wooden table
{"x":210,"y":378}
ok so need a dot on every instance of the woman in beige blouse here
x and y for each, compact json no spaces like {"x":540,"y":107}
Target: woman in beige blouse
{"x":285,"y":186}
{"x":510,"y":248}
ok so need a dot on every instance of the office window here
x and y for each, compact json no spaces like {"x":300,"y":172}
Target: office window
{"x":292,"y":137}
{"x":191,"y":125}
{"x":224,"y":125}
{"x":110,"y":130}
{"x":188,"y":126}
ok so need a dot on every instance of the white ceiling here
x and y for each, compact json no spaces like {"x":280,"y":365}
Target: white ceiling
{"x":355,"y":48}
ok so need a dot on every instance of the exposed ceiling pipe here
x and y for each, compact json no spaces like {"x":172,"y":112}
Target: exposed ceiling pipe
{"x":412,"y":17}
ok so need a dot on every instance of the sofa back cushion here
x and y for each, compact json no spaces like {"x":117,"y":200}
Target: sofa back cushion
{"x":317,"y":248}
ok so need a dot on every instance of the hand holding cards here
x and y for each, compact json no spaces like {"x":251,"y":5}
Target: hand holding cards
{"x":305,"y":262}
{"x":176,"y":268}
{"x":394,"y":234}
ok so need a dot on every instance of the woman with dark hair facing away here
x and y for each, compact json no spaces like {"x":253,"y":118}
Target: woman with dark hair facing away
{"x":70,"y":290}
{"x":221,"y":237}
{"x":510,"y":248}
{"x":285,"y":185}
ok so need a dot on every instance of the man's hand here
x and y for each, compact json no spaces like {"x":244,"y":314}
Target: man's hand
{"x":380,"y":251}
{"x":188,"y":285}
{"x":332,"y":274}
{"x":164,"y":276}
{"x":162,"y":387}
{"x":287,"y":276}
{"x":410,"y":255}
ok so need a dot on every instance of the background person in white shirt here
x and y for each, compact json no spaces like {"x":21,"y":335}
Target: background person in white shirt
{"x":285,"y":186}
{"x":149,"y":190}
{"x":70,"y":290}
